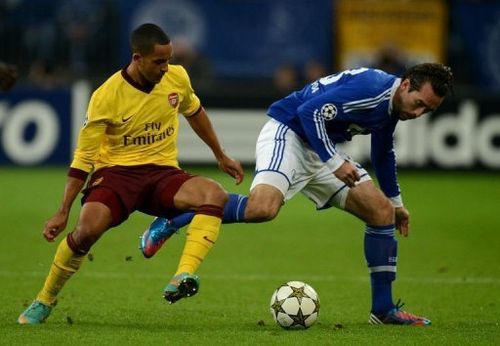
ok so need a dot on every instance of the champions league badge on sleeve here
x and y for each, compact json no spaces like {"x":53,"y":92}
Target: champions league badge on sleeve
{"x":329,"y":111}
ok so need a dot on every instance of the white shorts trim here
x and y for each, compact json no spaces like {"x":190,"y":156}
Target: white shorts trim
{"x":285,"y":161}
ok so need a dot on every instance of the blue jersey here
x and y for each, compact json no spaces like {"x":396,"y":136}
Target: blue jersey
{"x":335,"y":108}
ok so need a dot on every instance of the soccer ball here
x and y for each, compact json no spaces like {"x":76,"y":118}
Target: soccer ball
{"x":295,"y":305}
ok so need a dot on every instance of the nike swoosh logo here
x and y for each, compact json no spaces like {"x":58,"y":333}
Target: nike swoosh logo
{"x":126,"y":119}
{"x":209,"y":240}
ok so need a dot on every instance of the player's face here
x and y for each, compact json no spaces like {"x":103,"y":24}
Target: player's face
{"x":413,"y":104}
{"x":154,"y":65}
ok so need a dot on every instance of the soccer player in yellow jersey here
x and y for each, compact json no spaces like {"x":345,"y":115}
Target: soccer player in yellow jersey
{"x":128,"y":143}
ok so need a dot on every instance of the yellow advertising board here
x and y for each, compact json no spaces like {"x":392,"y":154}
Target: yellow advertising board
{"x":415,"y":28}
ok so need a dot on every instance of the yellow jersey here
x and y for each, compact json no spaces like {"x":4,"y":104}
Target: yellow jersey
{"x":128,"y":125}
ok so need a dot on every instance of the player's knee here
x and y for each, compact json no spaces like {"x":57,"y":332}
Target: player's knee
{"x":382,"y":213}
{"x":259,"y":211}
{"x":263,"y":204}
{"x":83,"y":237}
{"x":261,"y":214}
{"x":215,"y":194}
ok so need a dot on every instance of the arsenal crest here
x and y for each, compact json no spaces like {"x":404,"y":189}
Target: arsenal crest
{"x":173,"y":99}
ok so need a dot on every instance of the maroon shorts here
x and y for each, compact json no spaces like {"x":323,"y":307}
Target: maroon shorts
{"x":147,"y":188}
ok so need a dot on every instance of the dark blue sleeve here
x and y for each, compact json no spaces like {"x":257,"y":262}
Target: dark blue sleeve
{"x":312,"y":117}
{"x":384,"y":160}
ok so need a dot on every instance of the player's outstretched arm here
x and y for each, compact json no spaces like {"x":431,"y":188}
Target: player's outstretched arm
{"x":201,"y":125}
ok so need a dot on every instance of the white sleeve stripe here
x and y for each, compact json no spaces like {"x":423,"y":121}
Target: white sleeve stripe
{"x":279,"y":147}
{"x":366,"y":106}
{"x":374,"y":101}
{"x":330,"y":148}
{"x":369,"y":99}
{"x":321,"y":132}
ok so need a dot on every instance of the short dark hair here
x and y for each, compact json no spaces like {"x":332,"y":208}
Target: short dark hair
{"x":144,"y":38}
{"x":439,"y":75}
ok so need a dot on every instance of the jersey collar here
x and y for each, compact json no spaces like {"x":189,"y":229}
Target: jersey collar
{"x":147,"y":88}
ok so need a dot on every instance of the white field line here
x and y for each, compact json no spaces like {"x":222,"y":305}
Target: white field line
{"x":259,"y":277}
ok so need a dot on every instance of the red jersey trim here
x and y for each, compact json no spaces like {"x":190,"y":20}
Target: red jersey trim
{"x":144,"y":88}
{"x":197,"y":111}
{"x":77,"y":173}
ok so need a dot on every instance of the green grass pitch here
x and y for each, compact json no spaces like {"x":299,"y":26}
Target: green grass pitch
{"x":448,"y":270}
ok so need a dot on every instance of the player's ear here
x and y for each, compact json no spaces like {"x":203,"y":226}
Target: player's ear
{"x":136,"y":57}
{"x":405,"y":84}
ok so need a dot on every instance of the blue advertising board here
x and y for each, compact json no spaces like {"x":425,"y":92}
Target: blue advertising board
{"x":244,"y":38}
{"x":41,"y":126}
{"x":34,"y":126}
{"x":478,"y":26}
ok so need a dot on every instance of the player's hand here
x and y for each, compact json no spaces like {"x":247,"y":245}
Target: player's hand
{"x":8,"y":76}
{"x":348,"y":173}
{"x":54,"y":226}
{"x":403,"y":221}
{"x":232,"y":167}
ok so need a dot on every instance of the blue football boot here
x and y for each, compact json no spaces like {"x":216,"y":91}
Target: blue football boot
{"x":156,"y":235}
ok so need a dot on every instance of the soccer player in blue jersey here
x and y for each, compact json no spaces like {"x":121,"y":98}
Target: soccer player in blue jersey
{"x":296,"y":152}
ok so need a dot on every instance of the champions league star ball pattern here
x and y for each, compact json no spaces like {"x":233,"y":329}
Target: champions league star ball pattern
{"x":329,"y":111}
{"x":295,"y":305}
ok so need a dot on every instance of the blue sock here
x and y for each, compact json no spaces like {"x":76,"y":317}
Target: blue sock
{"x":381,"y":250}
{"x":234,"y":211}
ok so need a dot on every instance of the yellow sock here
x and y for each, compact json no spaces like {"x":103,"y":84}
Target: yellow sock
{"x":65,"y":263}
{"x":201,"y":236}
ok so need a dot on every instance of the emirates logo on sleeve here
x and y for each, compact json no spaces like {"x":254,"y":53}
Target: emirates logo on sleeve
{"x":173,"y":99}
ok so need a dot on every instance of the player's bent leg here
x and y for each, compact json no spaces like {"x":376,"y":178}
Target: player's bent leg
{"x":380,"y":247}
{"x":161,"y":229}
{"x":263,"y":204}
{"x":201,"y":236}
{"x":208,"y":199}
{"x":67,"y":260}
